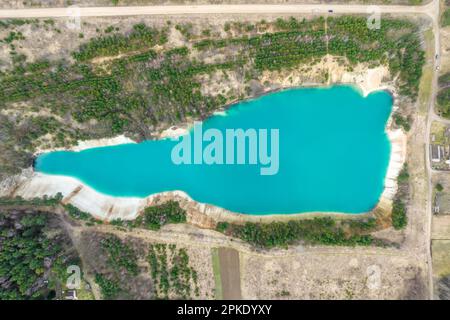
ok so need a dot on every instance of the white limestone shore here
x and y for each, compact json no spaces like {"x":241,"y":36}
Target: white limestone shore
{"x":397,"y":159}
{"x":94,"y":143}
{"x":31,"y":184}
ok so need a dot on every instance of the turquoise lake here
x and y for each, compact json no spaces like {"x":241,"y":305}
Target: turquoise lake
{"x":333,"y":157}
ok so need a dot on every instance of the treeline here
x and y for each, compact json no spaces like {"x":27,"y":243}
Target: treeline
{"x":445,"y":19}
{"x":141,"y":36}
{"x":399,"y":213}
{"x":324,"y":231}
{"x":19,"y":201}
{"x":301,"y":41}
{"x":155,"y":217}
{"x":77,"y":214}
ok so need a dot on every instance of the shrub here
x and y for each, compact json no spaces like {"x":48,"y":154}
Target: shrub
{"x":399,"y":218}
{"x":445,"y":19}
{"x":108,"y":288}
{"x":315,"y":231}
{"x":156,"y":216}
{"x":403,"y":176}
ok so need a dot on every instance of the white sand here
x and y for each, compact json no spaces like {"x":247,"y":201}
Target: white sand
{"x":397,"y":159}
{"x":87,"y":144}
{"x":174,"y":132}
{"x":85,"y":198}
{"x":368,"y":80}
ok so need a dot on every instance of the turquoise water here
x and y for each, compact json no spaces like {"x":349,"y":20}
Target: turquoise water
{"x":333,"y":157}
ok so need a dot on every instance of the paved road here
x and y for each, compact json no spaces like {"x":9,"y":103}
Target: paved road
{"x":208,"y":9}
{"x":431,"y":10}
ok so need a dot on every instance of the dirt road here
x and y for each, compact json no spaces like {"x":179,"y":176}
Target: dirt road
{"x":212,"y":9}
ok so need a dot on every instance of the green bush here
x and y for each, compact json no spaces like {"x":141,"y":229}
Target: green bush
{"x":121,"y":256}
{"x":445,"y":19}
{"x":403,"y":176}
{"x":399,"y":218}
{"x":443,"y":102}
{"x":44,"y":201}
{"x":281,"y":234}
{"x":155,"y":217}
{"x":109,"y":288}
{"x":403,"y":122}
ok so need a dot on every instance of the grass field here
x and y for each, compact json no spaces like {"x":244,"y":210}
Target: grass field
{"x":216,"y":270}
{"x":441,"y":257}
{"x":427,"y":72}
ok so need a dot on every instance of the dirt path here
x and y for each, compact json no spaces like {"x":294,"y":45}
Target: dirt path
{"x":230,"y":274}
{"x":211,"y":9}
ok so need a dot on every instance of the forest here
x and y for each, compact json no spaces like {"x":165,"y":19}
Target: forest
{"x":34,"y":255}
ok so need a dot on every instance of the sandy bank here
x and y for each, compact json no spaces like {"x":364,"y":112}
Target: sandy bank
{"x":94,"y":143}
{"x":398,"y":157}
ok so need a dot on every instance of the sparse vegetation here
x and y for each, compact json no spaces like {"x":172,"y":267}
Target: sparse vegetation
{"x":443,"y":96}
{"x":121,"y":256}
{"x":172,"y":273}
{"x":445,"y":19}
{"x":76,"y":213}
{"x":399,"y":219}
{"x":109,"y":288}
{"x":403,"y":122}
{"x":19,"y":201}
{"x":398,"y":215}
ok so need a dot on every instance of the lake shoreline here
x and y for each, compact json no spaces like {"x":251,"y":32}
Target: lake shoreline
{"x":35,"y":184}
